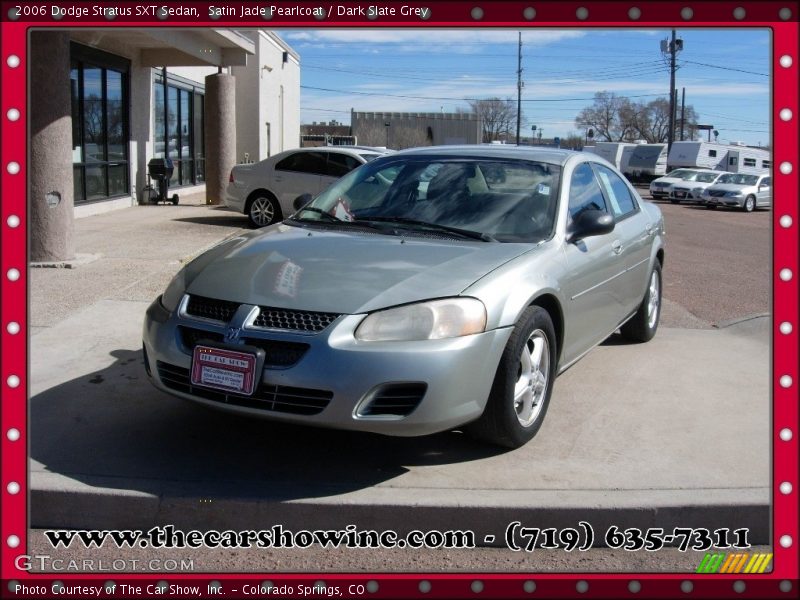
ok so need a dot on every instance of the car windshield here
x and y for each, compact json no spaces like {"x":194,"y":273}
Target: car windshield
{"x":738,"y":179}
{"x":489,"y":199}
{"x":706,"y":177}
{"x":368,"y":156}
{"x":681,"y":173}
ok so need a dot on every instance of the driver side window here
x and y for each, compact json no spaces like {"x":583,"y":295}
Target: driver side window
{"x":584,"y":192}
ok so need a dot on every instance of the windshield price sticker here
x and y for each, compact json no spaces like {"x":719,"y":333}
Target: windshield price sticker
{"x":225,"y":370}
{"x":582,"y":538}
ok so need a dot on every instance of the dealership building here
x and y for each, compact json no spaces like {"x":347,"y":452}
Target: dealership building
{"x":103,"y":102}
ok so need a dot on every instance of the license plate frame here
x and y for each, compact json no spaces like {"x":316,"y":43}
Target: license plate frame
{"x":223,"y":369}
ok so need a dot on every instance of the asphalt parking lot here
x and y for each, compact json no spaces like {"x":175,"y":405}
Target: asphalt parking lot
{"x":620,"y":444}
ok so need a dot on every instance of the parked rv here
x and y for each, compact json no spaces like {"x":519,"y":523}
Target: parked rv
{"x":733,"y":158}
{"x":617,"y":153}
{"x":646,"y":162}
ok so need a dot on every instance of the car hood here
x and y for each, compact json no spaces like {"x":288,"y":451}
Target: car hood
{"x":668,"y":180}
{"x":348,"y":273}
{"x":731,"y":187}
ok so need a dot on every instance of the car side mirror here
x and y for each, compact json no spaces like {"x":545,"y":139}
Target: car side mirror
{"x":301,"y":201}
{"x":590,"y":223}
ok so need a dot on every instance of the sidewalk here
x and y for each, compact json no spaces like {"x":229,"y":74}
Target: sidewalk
{"x":673,"y":433}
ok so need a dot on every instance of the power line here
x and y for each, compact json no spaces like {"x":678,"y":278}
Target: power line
{"x":691,"y":62}
{"x":406,"y":96}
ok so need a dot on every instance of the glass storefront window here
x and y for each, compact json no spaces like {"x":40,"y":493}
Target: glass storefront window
{"x":99,"y":97}
{"x":179,"y":121}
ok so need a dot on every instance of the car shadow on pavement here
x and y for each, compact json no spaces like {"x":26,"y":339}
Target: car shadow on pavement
{"x":224,"y":220}
{"x":113,"y":425}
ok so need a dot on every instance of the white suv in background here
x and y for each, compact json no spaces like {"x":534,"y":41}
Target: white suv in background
{"x":266,"y":190}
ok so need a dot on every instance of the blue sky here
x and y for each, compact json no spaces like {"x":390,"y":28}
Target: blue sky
{"x":434,"y":70}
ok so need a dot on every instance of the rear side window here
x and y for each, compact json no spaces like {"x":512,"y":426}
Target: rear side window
{"x":584,"y":192}
{"x":618,"y":194}
{"x":341,"y":164}
{"x":303,"y":162}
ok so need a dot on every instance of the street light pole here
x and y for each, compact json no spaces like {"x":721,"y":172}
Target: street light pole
{"x":519,"y":86}
{"x":671,"y":132}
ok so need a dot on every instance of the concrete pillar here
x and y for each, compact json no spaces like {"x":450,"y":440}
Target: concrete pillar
{"x":220,"y":134}
{"x":50,"y":187}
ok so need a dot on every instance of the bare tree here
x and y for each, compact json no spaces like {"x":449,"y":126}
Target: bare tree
{"x":499,"y":117}
{"x":609,"y":116}
{"x":616,"y":119}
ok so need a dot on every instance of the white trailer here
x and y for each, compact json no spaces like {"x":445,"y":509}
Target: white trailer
{"x":612,"y":151}
{"x":646,"y":162}
{"x":734,"y":158}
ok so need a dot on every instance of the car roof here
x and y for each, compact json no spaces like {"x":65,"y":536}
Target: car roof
{"x":500,"y":151}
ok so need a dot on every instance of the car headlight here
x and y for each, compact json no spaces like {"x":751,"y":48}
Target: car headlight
{"x":733,"y":194}
{"x":174,"y":292}
{"x":433,"y":320}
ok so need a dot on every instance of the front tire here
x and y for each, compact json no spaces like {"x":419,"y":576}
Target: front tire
{"x":644,"y":324}
{"x":523,"y":383}
{"x":749,"y":204}
{"x":263,"y":210}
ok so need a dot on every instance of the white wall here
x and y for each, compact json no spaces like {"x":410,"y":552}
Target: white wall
{"x":276,"y":86}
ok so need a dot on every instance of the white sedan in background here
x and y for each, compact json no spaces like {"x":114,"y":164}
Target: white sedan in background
{"x":747,"y":192}
{"x":692,"y":189}
{"x":661,"y":187}
{"x":265,"y":191}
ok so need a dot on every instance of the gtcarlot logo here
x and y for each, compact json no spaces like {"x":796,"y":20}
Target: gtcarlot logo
{"x":43,"y":562}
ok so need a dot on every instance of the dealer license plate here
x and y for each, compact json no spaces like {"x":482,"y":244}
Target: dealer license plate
{"x":223,"y":369}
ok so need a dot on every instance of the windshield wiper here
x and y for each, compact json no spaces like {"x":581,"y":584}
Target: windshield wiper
{"x":467,"y":233}
{"x":328,"y":216}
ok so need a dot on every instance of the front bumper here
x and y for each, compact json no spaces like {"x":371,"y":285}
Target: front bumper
{"x":340,"y":373}
{"x":724,"y":201}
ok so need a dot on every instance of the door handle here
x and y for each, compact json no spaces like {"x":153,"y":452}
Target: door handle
{"x":616,"y":246}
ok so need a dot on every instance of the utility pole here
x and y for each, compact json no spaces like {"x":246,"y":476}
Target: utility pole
{"x":671,"y":133}
{"x":683,"y":109}
{"x":519,"y":87}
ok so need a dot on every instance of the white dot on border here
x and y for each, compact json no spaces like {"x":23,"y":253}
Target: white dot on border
{"x":739,"y":13}
{"x":476,"y":587}
{"x":12,"y":541}
{"x":12,"y":381}
{"x":786,"y":381}
{"x":687,"y":13}
{"x":424,"y":586}
{"x":12,"y":434}
{"x":739,"y":586}
{"x":372,"y":586}
{"x":634,"y":587}
{"x":786,"y":61}
{"x":12,"y":221}
{"x":13,"y":61}
{"x":687,"y":587}
{"x":786,"y":488}
{"x":13,"y":274}
{"x":786,"y":221}
{"x":786,"y":541}
{"x":529,"y":13}
{"x":786,"y":275}
{"x":13,"y":488}
{"x":12,"y":114}
{"x":786,"y":434}
{"x":786,"y":114}
{"x":786,"y":328}
{"x":13,"y":328}
{"x":13,"y":168}
{"x":582,"y":587}
{"x":634,"y":13}
{"x":529,"y":587}
{"x":476,"y":13}
{"x":785,"y":586}
{"x":786,"y":168}
{"x":582,"y":13}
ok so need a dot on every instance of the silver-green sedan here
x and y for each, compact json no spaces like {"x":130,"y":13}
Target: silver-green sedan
{"x":432,"y":289}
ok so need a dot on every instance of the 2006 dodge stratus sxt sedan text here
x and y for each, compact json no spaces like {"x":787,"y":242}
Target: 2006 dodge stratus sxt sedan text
{"x":427,"y":290}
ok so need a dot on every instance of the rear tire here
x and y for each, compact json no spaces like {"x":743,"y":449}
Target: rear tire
{"x":262,"y":210}
{"x":523,"y":383}
{"x":644,"y":324}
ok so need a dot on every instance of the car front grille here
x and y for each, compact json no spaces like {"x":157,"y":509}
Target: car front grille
{"x":272,"y":398}
{"x":210,"y":308}
{"x":277,"y":353}
{"x":716,"y":193}
{"x":397,"y":400}
{"x":281,"y":318}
